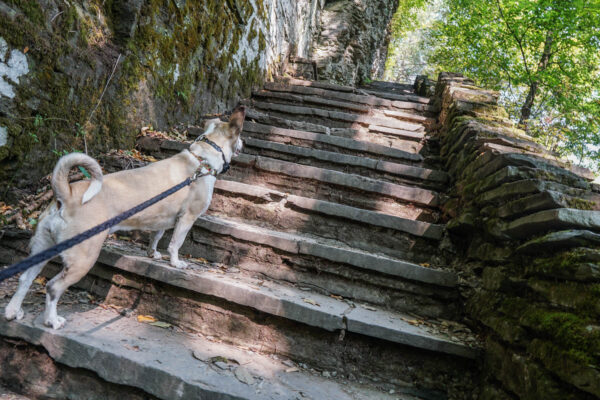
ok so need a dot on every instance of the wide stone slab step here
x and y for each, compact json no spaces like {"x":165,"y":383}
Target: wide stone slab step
{"x":289,"y":302}
{"x":401,"y":192}
{"x":337,"y":116}
{"x":266,"y":119}
{"x":401,"y":170}
{"x":309,"y":100}
{"x":173,"y":365}
{"x":374,"y":218}
{"x":305,"y":88}
{"x":398,"y":97}
{"x":403,"y":115}
{"x":331,"y":250}
{"x":358,"y":146}
{"x":318,"y":84}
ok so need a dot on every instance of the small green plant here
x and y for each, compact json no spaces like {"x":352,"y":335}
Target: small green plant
{"x":34,"y":137}
{"x":60,"y":153}
{"x":38,"y":121}
{"x":182,"y":94}
{"x":79,"y":131}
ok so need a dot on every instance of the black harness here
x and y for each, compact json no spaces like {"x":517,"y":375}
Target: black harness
{"x":217,"y":148}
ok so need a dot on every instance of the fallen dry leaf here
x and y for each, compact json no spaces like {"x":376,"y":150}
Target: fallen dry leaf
{"x":336,"y":297}
{"x":161,"y":324}
{"x":426,"y":265}
{"x":311,"y":301}
{"x":146,"y":318}
{"x":40,"y":280}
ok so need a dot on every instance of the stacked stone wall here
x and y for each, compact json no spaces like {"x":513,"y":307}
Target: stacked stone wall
{"x":527,"y":229}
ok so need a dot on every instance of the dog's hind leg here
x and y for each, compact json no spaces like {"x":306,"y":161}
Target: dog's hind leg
{"x":182,"y":227}
{"x":152,"y":252}
{"x":39,"y":242}
{"x":78,"y":261}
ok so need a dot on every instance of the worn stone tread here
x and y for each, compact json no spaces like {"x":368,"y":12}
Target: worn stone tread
{"x":399,"y":97}
{"x":398,"y":169}
{"x":253,"y":115}
{"x":338,"y":141}
{"x":397,"y":132}
{"x":172,"y":365}
{"x":408,"y":116}
{"x":417,"y":228}
{"x":318,"y":84}
{"x":289,"y":302}
{"x":563,"y":218}
{"x":331,"y":250}
{"x":296,"y":86}
{"x":406,"y":193}
{"x":308,"y":99}
{"x":338,"y":116}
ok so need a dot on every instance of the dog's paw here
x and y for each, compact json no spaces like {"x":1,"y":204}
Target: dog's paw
{"x":179,"y":264}
{"x":155,"y":255}
{"x":11,"y":313}
{"x":56,"y":323}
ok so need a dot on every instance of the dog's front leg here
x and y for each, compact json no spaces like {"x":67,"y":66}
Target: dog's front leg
{"x":152,"y":252}
{"x":182,"y":226}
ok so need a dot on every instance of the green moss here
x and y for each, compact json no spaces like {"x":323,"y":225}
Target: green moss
{"x":571,"y":264}
{"x":583,"y":298}
{"x":572,"y":333}
{"x":31,"y":8}
{"x":581,"y":204}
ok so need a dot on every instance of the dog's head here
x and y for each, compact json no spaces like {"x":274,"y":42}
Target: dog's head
{"x":227,"y":134}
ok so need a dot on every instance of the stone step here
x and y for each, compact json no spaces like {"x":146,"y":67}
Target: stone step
{"x":304,"y":88}
{"x":330,"y":117}
{"x":410,"y":194}
{"x":403,"y":115}
{"x":169,"y":365}
{"x":347,"y":213}
{"x":388,"y":137}
{"x":398,"y":97}
{"x":289,"y":302}
{"x":366,"y":100}
{"x":331,"y":250}
{"x":318,"y":84}
{"x":308,"y":100}
{"x":363,"y":166}
{"x":392,"y":87}
{"x":340,"y":144}
{"x":317,"y":183}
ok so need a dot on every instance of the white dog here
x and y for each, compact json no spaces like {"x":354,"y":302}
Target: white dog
{"x":82,"y":205}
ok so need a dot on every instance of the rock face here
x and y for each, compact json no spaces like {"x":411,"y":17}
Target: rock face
{"x":352,"y":44}
{"x":87,"y":76}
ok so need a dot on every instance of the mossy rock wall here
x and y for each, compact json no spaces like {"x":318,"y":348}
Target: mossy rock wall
{"x":526,"y":226}
{"x":99,"y":70}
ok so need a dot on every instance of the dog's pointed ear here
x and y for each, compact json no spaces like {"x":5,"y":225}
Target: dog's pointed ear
{"x":236,"y":121}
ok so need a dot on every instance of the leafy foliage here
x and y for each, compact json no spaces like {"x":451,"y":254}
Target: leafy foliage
{"x":543,"y":55}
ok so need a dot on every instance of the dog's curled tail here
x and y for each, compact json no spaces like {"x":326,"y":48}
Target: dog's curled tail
{"x":60,"y":176}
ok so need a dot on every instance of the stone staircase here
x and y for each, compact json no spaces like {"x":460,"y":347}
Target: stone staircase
{"x":319,"y":266}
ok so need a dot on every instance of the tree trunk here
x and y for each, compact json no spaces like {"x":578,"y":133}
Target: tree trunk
{"x":533,"y":87}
